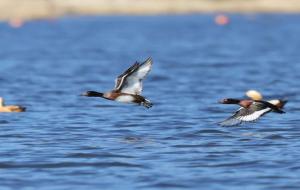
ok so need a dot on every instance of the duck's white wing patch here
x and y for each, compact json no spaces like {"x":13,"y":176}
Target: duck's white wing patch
{"x":254,"y":116}
{"x":132,"y":83}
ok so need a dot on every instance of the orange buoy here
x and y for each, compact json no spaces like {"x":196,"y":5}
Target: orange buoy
{"x":16,"y":23}
{"x":222,"y":19}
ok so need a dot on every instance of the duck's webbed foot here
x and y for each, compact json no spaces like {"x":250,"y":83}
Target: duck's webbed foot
{"x":147,"y":104}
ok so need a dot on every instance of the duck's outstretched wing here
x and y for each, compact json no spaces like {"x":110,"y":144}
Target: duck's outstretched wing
{"x":121,"y":78}
{"x":232,"y":120}
{"x":131,"y":80}
{"x":251,"y":114}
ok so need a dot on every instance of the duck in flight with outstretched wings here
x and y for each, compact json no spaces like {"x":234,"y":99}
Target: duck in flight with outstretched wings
{"x":129,"y":86}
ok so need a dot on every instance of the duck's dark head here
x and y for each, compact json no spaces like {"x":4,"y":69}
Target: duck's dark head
{"x":229,"y":101}
{"x":92,"y":94}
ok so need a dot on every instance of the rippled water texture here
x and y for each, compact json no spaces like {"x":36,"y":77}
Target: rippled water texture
{"x":65,"y":141}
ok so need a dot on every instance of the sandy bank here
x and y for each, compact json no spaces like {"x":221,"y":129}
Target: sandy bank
{"x":35,"y":9}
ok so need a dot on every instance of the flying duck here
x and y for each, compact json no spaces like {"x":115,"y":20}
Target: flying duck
{"x":250,"y":111}
{"x":4,"y":108}
{"x":255,"y":95}
{"x":128,"y":86}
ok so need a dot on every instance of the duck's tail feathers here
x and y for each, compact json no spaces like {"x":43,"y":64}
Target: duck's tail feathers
{"x":283,"y":102}
{"x":18,"y":108}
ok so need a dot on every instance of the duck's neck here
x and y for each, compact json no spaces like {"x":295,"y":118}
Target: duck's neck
{"x":95,"y":94}
{"x":245,"y":103}
{"x":233,"y":101}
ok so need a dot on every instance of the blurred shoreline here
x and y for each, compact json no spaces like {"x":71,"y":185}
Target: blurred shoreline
{"x":43,"y":9}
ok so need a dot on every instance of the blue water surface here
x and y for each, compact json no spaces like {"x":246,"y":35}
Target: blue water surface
{"x":65,"y":141}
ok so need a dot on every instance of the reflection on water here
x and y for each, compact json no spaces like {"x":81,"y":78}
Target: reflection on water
{"x":65,"y":141}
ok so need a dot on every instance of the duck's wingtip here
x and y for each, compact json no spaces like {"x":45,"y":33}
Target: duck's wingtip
{"x":223,"y":125}
{"x":149,"y":60}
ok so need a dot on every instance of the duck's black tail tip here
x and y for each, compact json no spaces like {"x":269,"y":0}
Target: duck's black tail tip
{"x":280,"y":111}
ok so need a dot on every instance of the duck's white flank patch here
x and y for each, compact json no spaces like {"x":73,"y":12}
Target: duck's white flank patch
{"x":125,"y":98}
{"x":254,"y":116}
{"x":274,"y":102}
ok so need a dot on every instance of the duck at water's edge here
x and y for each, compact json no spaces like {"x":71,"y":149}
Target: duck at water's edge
{"x":250,"y":111}
{"x":255,"y":95}
{"x":128,"y":86}
{"x":11,"y":108}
